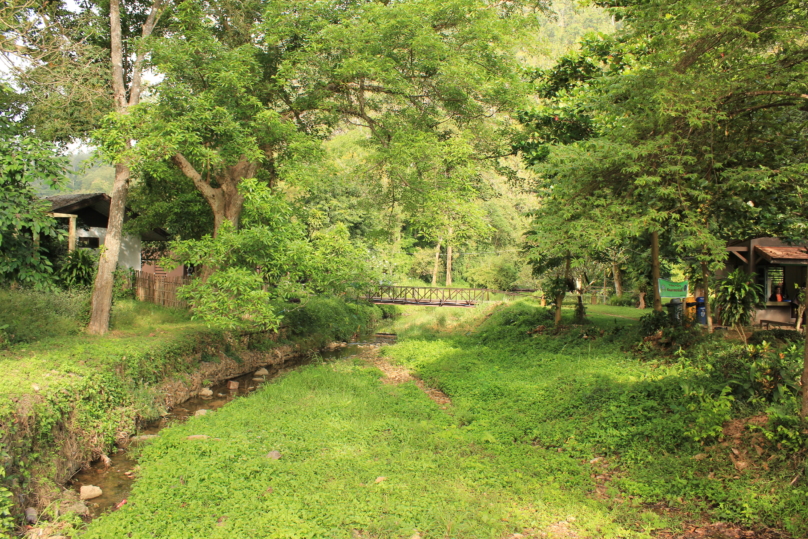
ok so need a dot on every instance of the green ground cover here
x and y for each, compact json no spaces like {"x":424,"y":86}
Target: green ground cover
{"x":564,"y":434}
{"x":67,"y":397}
{"x":358,"y":457}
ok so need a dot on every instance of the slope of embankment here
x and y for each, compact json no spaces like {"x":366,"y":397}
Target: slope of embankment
{"x":67,"y":399}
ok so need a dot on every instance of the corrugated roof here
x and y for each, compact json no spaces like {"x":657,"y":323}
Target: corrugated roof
{"x":783,"y":253}
{"x":58,"y":202}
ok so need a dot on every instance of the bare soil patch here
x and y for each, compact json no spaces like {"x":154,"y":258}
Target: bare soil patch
{"x":398,"y":374}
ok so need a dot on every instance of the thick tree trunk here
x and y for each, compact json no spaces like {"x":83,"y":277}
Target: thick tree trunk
{"x":804,"y":379}
{"x":655,"y":270}
{"x":618,"y":279}
{"x":449,"y":265}
{"x":225,"y":201}
{"x":436,"y":265}
{"x":705,"y":283}
{"x":101,"y":302}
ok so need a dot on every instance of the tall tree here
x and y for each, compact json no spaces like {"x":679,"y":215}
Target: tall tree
{"x":249,"y":91}
{"x":78,"y":63}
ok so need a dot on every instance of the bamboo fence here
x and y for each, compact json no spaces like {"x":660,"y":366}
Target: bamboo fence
{"x":159,"y":289}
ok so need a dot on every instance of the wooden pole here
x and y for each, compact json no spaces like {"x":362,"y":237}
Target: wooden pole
{"x":655,"y":270}
{"x":705,"y":283}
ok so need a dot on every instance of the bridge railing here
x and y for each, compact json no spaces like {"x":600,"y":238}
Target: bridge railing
{"x":427,"y":295}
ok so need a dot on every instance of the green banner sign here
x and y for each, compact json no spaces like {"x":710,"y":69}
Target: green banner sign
{"x":669,"y":289}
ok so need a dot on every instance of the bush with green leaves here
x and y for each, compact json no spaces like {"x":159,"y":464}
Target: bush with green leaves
{"x":500,"y":272}
{"x":624,"y":300}
{"x":653,"y":322}
{"x":269,"y":259}
{"x":25,"y":161}
{"x":736,"y":298}
{"x":77,"y":269}
{"x":325,"y":319}
{"x":776,"y":335}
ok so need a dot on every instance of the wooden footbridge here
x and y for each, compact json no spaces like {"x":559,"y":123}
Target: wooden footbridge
{"x":424,"y":295}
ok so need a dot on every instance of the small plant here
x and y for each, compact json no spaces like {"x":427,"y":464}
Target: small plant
{"x":122,"y":286}
{"x":736,"y":297}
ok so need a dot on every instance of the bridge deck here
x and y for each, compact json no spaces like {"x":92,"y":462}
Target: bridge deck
{"x":424,"y":295}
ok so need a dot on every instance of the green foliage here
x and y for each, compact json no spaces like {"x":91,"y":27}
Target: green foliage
{"x":6,"y":520}
{"x":776,"y":335}
{"x":30,"y":315}
{"x":122,"y":288}
{"x":24,"y":161}
{"x":653,"y":322}
{"x":494,"y":272}
{"x":626,"y":300}
{"x":736,"y":297}
{"x":326,"y":319}
{"x":269,"y":259}
{"x":77,"y":269}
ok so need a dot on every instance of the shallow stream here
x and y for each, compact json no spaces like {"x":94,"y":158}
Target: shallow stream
{"x":115,"y":476}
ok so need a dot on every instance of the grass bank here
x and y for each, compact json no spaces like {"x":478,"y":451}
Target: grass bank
{"x":66,"y":398}
{"x":546,"y":435}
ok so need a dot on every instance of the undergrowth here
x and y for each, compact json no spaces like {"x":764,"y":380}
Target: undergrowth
{"x":64,"y":388}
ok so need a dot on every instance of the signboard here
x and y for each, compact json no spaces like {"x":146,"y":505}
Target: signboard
{"x":669,"y":289}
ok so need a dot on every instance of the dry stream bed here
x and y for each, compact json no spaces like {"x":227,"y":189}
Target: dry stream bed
{"x":115,"y":474}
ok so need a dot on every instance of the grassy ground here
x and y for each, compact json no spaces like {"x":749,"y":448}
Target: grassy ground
{"x":55,"y":354}
{"x":546,"y":435}
{"x":67,"y":398}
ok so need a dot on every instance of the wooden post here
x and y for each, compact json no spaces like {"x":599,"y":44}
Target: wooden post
{"x":71,"y":229}
{"x":655,"y":270}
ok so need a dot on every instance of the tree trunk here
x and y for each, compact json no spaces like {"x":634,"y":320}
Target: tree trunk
{"x":655,"y":270}
{"x":618,"y":279}
{"x":225,"y":201}
{"x":705,"y":284}
{"x":559,"y":299}
{"x":804,"y":379}
{"x":101,"y":302}
{"x":449,"y":265}
{"x":436,"y":265}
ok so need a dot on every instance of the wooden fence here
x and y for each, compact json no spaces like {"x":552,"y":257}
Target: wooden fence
{"x":159,"y":290}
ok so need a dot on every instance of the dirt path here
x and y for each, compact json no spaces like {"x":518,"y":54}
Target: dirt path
{"x":397,"y":374}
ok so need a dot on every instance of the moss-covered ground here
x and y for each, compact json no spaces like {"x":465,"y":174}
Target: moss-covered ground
{"x":546,"y":436}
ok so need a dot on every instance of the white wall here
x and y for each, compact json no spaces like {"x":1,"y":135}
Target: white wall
{"x":129,"y":257}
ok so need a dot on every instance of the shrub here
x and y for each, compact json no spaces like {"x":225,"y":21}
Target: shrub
{"x":624,"y":300}
{"x":30,"y":315}
{"x":329,"y":319}
{"x":736,"y":297}
{"x":776,"y":335}
{"x":77,"y":269}
{"x":652,"y":322}
{"x":493,"y":272}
